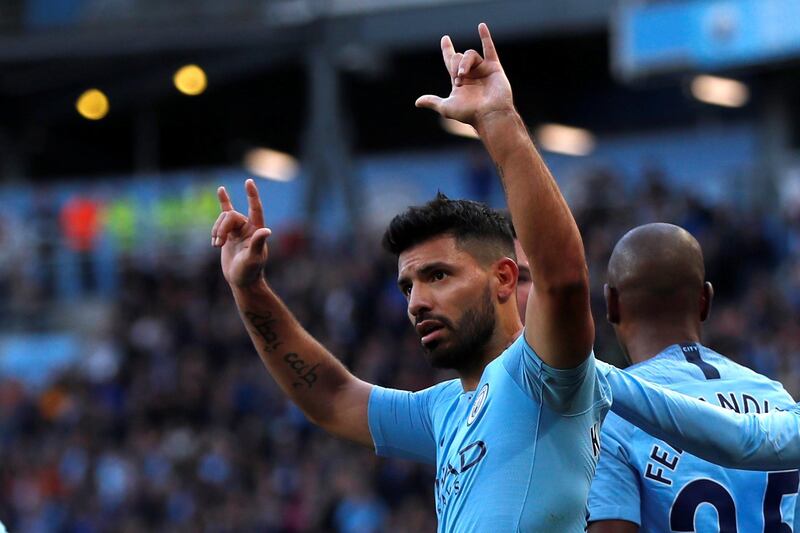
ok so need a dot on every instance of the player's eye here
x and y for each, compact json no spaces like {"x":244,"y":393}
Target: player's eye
{"x":406,"y":290}
{"x":439,"y":275}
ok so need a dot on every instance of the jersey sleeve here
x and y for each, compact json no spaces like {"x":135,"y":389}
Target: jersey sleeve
{"x":769,"y":441}
{"x":615,"y":491}
{"x":567,"y":391}
{"x":401,"y":423}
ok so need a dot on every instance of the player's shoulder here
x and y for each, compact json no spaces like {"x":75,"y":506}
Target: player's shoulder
{"x":519,"y":345}
{"x":517,"y":356}
{"x":694,"y":369}
{"x":733,"y":371}
{"x":520,"y":349}
{"x":663,"y":368}
{"x":681,"y":363}
{"x":446,"y":388}
{"x":443,"y":392}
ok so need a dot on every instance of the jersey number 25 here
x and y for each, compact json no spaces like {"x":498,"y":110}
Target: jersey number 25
{"x":700,"y":491}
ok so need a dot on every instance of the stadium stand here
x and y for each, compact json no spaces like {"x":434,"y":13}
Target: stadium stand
{"x":168,"y":422}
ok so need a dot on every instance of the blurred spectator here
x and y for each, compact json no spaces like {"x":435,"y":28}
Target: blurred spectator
{"x":80,"y":223}
{"x":482,"y":176}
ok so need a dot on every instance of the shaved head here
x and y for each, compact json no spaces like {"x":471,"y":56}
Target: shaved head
{"x":658,"y":271}
{"x":656,"y":294}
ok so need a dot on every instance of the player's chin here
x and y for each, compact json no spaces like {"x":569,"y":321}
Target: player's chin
{"x":429,"y":347}
{"x":438,"y":354}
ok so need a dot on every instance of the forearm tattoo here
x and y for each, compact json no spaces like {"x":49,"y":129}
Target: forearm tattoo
{"x":264,"y":325}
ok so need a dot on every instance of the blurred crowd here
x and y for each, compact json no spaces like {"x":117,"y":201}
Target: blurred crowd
{"x":170,"y":422}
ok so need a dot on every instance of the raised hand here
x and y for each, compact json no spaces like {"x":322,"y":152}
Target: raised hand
{"x":242,"y":238}
{"x":479,"y":85}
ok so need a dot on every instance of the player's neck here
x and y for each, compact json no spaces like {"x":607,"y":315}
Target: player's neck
{"x":646,"y":340}
{"x":505,"y":334}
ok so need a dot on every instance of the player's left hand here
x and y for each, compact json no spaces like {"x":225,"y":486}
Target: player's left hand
{"x":243,"y":239}
{"x":480,"y":87}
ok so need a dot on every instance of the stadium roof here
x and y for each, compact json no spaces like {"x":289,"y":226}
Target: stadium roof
{"x":257,"y":56}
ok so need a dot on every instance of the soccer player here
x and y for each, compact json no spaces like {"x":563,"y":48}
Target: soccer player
{"x":643,"y":483}
{"x":657,"y":299}
{"x":514,"y":439}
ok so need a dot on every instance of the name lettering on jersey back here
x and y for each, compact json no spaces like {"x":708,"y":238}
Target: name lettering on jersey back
{"x":741,"y":403}
{"x":664,"y":459}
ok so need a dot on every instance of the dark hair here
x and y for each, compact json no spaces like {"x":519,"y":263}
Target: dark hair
{"x":507,"y":215}
{"x":465,"y":220}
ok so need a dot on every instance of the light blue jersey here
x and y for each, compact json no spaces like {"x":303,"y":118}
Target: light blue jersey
{"x":516,"y":454}
{"x":644,"y":480}
{"x":752,"y":441}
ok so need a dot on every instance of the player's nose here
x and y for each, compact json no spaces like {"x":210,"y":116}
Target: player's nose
{"x":419,"y":301}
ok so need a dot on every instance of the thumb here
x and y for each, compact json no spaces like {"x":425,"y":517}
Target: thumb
{"x":430,"y":101}
{"x":258,"y":241}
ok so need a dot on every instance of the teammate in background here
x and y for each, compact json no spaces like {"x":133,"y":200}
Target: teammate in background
{"x":634,"y":489}
{"x":657,"y":299}
{"x":515,"y":438}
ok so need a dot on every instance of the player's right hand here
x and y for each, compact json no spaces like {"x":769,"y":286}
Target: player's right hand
{"x":479,"y":87}
{"x":243,"y":239}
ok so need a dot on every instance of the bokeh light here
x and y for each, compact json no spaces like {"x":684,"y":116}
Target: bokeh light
{"x":271,"y":164}
{"x":92,"y":104}
{"x":190,"y":80}
{"x":720,"y":91}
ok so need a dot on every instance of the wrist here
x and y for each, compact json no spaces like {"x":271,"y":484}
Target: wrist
{"x":255,"y":289}
{"x":503,"y":132}
{"x":497,"y":118}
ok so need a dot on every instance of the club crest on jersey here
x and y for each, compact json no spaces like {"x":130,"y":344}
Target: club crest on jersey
{"x":478,"y":405}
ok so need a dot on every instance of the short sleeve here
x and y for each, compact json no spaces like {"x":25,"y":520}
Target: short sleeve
{"x":615,"y":492}
{"x":569,"y":392}
{"x":401,"y":423}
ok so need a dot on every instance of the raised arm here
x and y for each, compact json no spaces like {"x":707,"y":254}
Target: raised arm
{"x":315,"y":380}
{"x":768,"y":441}
{"x":558,"y":322}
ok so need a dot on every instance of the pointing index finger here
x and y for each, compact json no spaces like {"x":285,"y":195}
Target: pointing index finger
{"x":489,"y":51}
{"x":224,"y":200}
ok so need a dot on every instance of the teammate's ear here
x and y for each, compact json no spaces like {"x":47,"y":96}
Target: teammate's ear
{"x":612,"y":304}
{"x":506,"y":274}
{"x":705,"y":301}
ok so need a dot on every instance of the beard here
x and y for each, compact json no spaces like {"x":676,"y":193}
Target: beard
{"x":464,"y":348}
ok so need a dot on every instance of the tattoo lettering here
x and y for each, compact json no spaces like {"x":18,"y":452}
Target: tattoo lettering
{"x":264,"y":324}
{"x":305,"y":373}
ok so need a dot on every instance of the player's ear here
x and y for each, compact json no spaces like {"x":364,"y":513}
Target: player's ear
{"x":705,"y":301}
{"x":506,"y":273}
{"x":612,"y":304}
